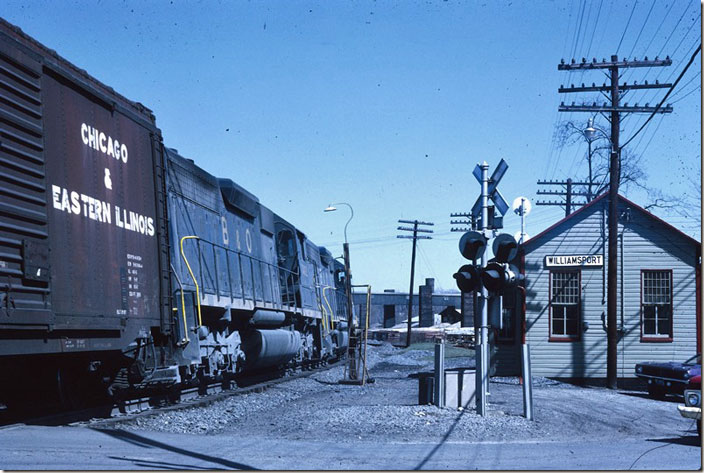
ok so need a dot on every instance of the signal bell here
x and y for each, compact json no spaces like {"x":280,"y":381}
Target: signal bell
{"x":467,"y":278}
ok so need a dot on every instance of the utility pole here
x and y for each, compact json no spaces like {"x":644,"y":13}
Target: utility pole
{"x":614,"y":109}
{"x":415,"y":237}
{"x":568,"y":194}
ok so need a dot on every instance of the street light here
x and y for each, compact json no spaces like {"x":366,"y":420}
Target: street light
{"x":589,"y":134}
{"x":332,"y":208}
{"x":352,"y":340}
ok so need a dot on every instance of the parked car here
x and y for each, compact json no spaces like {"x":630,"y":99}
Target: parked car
{"x":692,"y":408}
{"x":668,"y":377}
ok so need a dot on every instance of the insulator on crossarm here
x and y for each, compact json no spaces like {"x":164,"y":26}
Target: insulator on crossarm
{"x":593,"y":84}
{"x":667,"y":58}
{"x":562,"y":61}
{"x":657,"y":82}
{"x":583,"y":60}
{"x":646,"y":82}
{"x":572,"y":85}
{"x":603,"y":60}
{"x":593,"y":60}
{"x":573,"y":61}
{"x":646,"y":58}
{"x":647,"y":104}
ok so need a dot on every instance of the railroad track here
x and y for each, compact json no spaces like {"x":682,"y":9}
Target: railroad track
{"x":142,"y":407}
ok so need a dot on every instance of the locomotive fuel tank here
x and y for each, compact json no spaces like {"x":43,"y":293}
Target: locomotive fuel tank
{"x":264,"y":348}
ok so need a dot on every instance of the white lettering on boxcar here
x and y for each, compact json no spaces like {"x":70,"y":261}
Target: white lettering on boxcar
{"x":99,"y":141}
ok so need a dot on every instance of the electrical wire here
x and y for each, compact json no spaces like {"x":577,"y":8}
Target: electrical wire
{"x":691,"y":60}
{"x":699,"y":87}
{"x":686,"y":8}
{"x":641,"y":28}
{"x":627,"y":23}
{"x":596,"y":22}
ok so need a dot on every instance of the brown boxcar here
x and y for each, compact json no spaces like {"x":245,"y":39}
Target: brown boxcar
{"x":83,"y":253}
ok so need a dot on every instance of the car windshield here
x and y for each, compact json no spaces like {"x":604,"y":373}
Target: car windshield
{"x":695,"y":360}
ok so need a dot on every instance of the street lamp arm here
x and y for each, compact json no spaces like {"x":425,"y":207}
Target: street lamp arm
{"x":351,"y":215}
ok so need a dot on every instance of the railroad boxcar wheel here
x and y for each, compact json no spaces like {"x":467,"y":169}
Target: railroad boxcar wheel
{"x":174,"y":395}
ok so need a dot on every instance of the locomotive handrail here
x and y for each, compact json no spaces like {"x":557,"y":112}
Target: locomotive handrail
{"x":185,"y":340}
{"x":332,"y":324}
{"x":183,"y":255}
{"x":239,"y":254}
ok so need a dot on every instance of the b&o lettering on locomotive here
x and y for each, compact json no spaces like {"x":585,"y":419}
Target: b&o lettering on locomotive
{"x":225,"y":235}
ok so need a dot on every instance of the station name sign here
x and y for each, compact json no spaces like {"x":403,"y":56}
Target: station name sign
{"x":574,"y":260}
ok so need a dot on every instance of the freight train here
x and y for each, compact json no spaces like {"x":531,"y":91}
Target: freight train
{"x":125,"y":267}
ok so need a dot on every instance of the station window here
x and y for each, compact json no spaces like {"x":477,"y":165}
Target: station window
{"x":565,"y":305}
{"x":656,"y":305}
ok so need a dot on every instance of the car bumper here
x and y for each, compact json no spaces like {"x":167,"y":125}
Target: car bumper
{"x":690,"y":412}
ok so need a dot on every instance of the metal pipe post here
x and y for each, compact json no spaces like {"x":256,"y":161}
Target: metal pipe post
{"x":440,"y":373}
{"x":527,"y":382}
{"x":483,"y":349}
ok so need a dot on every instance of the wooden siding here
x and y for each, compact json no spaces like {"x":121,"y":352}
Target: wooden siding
{"x":643,"y":244}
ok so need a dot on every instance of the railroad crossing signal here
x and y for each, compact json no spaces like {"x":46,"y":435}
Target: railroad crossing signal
{"x":494,"y":194}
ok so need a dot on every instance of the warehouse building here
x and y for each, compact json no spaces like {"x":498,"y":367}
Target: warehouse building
{"x":389,"y":308}
{"x":565,"y":267}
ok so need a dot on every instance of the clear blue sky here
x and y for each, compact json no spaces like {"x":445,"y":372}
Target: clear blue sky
{"x":387,"y":105}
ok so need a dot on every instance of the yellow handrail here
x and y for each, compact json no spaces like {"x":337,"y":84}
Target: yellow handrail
{"x":183,"y":255}
{"x":185,"y":340}
{"x":332,"y":325}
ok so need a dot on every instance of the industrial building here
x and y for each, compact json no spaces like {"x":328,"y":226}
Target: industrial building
{"x":389,"y":307}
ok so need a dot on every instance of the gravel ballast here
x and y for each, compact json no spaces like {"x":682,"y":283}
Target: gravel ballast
{"x":319,"y":409}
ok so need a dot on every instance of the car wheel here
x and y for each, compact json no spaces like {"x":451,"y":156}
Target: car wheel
{"x":656,"y":392}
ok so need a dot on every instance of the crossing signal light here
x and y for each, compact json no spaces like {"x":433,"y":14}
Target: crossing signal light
{"x":498,"y":276}
{"x":468,"y":278}
{"x":472,"y":245}
{"x":505,"y":248}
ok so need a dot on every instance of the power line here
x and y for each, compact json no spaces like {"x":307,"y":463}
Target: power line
{"x":596,"y":22}
{"x":698,"y":87}
{"x":626,"y":29}
{"x":691,"y":60}
{"x":686,"y":8}
{"x":641,"y":28}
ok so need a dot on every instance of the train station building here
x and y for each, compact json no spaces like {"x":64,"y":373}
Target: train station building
{"x":565,"y":268}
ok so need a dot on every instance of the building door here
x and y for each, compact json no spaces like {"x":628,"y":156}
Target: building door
{"x":389,"y":315}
